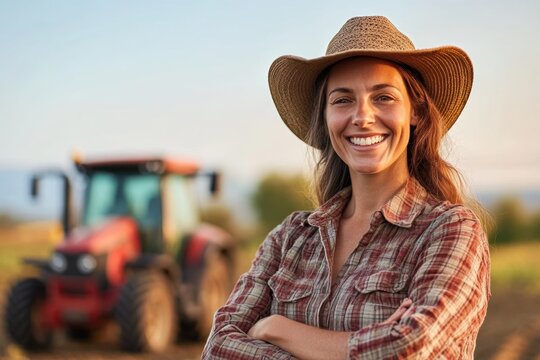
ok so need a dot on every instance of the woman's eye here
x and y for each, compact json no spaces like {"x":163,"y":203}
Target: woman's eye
{"x":384,"y":98}
{"x":340,"y":101}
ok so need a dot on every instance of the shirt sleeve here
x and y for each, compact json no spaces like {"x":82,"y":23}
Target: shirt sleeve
{"x":250,"y":301}
{"x":450,"y":288}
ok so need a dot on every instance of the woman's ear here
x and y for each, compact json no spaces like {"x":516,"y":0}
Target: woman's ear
{"x":414,"y":119}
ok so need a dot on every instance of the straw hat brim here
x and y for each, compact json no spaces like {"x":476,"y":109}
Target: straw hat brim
{"x":447,"y":74}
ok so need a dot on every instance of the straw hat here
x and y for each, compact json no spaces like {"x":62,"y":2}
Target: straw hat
{"x":446,"y":71}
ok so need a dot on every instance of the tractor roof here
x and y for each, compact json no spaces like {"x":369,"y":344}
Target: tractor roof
{"x":156,"y":165}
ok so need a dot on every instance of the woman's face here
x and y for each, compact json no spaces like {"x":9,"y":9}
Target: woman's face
{"x":368,"y":115}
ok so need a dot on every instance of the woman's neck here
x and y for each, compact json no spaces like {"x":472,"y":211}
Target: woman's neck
{"x":371,"y":191}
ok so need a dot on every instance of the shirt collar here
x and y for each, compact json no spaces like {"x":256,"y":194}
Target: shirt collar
{"x":401,"y":210}
{"x":406,"y":205}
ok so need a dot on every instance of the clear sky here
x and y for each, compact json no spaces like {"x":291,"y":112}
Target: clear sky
{"x":190,"y":77}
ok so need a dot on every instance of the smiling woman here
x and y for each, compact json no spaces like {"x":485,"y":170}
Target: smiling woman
{"x":391,"y":264}
{"x":369,"y":115}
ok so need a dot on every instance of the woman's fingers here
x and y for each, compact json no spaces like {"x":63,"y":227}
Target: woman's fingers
{"x":409,"y":311}
{"x":403,"y":310}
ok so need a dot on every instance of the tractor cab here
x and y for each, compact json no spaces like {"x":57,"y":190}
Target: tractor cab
{"x":157,"y":193}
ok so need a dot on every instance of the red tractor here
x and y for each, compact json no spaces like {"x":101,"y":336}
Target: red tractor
{"x":140,"y":256}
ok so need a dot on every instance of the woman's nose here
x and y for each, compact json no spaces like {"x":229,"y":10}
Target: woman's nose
{"x":363,"y":114}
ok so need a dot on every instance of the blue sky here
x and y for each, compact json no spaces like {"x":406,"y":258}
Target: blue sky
{"x":189,"y":78}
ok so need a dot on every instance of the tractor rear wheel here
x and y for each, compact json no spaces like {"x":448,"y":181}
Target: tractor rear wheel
{"x":146,"y":313}
{"x":25,"y":317}
{"x":214,"y":289}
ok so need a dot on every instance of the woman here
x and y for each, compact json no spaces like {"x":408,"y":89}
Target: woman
{"x":392,"y":264}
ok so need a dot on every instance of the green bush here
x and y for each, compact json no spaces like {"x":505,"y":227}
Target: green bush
{"x":513,"y":223}
{"x":278,"y":195}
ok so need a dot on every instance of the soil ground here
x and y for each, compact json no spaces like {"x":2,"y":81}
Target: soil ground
{"x":512,"y":327}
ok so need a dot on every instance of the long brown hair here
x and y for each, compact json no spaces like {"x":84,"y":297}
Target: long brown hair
{"x":425,"y":163}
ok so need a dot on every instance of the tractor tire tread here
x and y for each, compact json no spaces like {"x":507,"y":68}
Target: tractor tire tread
{"x":128,"y":310}
{"x":18,"y":314}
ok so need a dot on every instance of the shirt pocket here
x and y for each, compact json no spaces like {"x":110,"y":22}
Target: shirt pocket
{"x":378,"y":295}
{"x":288,"y":287}
{"x":290,"y":294}
{"x":385,"y":287}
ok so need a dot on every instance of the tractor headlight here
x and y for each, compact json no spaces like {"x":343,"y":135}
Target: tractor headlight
{"x":86,"y":264}
{"x":58,"y":263}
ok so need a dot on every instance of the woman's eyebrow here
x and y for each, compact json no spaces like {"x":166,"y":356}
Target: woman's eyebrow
{"x":340,"y":89}
{"x":373,"y":88}
{"x":382,"y":86}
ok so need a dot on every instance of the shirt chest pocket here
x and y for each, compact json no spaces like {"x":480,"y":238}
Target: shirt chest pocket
{"x":384,"y":288}
{"x":378,"y":295}
{"x":291,"y":294}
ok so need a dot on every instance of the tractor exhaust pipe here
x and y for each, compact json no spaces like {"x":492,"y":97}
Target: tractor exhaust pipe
{"x":215,"y":183}
{"x":67,"y":221}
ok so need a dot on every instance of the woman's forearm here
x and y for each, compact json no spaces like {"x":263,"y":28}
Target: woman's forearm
{"x":301,"y":340}
{"x":309,"y":342}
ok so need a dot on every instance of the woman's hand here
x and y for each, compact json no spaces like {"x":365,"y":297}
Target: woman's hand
{"x":405,"y":309}
{"x":264,"y":328}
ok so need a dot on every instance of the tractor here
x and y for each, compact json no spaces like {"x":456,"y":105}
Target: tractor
{"x":139,"y":256}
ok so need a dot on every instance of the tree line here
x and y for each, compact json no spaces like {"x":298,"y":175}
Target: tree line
{"x":277,"y":195}
{"x":513,"y":222}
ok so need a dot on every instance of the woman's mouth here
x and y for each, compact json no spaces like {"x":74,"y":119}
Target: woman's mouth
{"x":366,"y":141}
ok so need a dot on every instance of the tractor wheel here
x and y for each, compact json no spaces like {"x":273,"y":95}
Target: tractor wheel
{"x":146,"y":313}
{"x":24,"y":315}
{"x":214,"y":287}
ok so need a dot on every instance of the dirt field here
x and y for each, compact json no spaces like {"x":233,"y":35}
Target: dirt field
{"x":511,"y":330}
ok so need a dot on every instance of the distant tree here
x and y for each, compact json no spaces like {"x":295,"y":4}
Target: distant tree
{"x":533,"y":230}
{"x":7,"y":220}
{"x":510,"y":221}
{"x":278,"y":195}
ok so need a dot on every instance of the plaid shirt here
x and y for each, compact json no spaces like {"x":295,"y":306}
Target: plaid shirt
{"x":433,"y":252}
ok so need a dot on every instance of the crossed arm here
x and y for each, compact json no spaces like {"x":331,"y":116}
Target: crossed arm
{"x":450,"y":291}
{"x":309,"y":342}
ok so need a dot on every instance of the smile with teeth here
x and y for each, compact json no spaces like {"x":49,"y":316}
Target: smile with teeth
{"x":364,"y":141}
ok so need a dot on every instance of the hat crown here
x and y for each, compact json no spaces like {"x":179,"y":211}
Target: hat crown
{"x":369,"y":33}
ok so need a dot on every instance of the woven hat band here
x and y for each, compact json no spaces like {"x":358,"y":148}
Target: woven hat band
{"x":369,"y":33}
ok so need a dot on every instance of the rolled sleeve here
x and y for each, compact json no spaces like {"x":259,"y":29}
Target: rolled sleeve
{"x":450,"y":288}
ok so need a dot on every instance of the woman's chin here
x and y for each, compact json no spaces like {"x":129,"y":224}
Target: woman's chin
{"x":365,"y":169}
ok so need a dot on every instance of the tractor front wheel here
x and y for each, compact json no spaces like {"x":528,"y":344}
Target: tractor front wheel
{"x":25,"y":316}
{"x":146,"y":313}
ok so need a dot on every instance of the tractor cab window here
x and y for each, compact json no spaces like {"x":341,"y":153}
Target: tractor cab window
{"x":134,"y":195}
{"x":182,"y":212}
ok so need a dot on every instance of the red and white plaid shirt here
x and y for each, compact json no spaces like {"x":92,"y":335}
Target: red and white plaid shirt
{"x":433,"y":252}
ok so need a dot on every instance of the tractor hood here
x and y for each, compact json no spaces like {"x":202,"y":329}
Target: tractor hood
{"x":114,"y":233}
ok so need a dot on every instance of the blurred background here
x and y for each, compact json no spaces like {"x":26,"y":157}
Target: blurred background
{"x":139,"y":78}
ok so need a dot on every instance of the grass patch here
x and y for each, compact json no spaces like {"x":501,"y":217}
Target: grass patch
{"x":11,"y":257}
{"x":24,"y":241}
{"x":516,"y":266}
